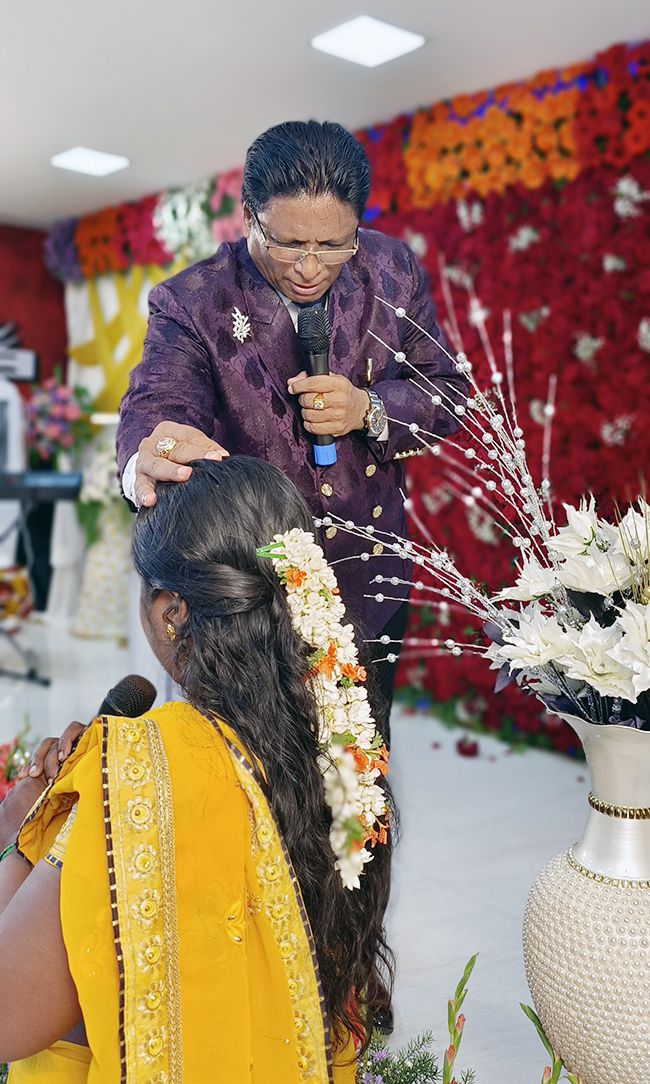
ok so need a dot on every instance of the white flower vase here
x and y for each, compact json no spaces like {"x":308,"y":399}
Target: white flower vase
{"x":587,"y":920}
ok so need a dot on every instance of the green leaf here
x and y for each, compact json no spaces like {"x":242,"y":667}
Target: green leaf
{"x":88,"y":513}
{"x":465,"y":979}
{"x":274,"y":549}
{"x":532,"y":1015}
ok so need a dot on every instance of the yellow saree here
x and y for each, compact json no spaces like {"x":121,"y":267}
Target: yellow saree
{"x":182,"y":918}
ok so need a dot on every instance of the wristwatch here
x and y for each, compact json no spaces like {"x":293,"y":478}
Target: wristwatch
{"x":376,"y":417}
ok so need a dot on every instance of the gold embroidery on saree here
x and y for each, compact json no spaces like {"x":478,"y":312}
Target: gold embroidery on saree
{"x":139,"y":818}
{"x":56,"y":853}
{"x":281,"y":900}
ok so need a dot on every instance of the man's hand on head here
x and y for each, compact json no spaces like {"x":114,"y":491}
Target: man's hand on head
{"x":152,"y":467}
{"x":344,"y":406}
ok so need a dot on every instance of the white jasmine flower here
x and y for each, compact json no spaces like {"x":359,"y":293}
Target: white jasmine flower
{"x":349,"y":771}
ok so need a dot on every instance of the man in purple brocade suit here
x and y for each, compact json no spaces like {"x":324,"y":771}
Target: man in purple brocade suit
{"x":222,"y":371}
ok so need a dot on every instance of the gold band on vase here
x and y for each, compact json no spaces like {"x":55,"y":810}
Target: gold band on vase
{"x":628,"y":813}
{"x":614,"y":882}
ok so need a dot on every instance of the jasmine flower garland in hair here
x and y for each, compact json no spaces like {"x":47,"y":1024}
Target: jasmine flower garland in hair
{"x":352,"y":754}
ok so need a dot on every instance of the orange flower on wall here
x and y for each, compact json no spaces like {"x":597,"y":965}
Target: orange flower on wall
{"x":524,"y":135}
{"x":95,"y":239}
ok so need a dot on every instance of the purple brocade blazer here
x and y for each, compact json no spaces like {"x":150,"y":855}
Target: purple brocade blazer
{"x":195,"y":371}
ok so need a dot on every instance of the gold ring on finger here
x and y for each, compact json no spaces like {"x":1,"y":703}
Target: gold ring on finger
{"x":319,"y":401}
{"x":165,"y":446}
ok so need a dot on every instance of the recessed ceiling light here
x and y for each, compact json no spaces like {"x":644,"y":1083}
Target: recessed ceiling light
{"x":83,"y":160}
{"x":367,"y":41}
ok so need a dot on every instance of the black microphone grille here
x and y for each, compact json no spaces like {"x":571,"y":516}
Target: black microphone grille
{"x":131,"y":697}
{"x":314,"y":328}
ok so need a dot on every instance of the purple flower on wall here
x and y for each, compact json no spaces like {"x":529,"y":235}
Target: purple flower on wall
{"x":60,"y":253}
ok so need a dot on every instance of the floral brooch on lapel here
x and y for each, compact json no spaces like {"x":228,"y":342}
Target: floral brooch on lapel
{"x":241,"y":327}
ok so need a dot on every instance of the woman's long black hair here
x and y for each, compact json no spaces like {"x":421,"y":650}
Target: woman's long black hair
{"x":238,"y":658}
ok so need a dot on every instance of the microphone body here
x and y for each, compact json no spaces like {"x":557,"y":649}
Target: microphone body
{"x":314,"y":335}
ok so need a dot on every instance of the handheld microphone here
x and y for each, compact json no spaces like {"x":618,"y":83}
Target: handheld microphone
{"x":131,"y":697}
{"x":314,"y":337}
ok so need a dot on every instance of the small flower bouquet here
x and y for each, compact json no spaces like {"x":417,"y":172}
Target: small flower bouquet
{"x":100,"y":489}
{"x":57,"y":420}
{"x":581,"y":639}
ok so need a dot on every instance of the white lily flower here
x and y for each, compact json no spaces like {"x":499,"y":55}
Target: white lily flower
{"x":537,"y":641}
{"x":583,"y":528}
{"x":533,"y":582}
{"x":590,"y":659}
{"x":633,"y":649}
{"x":597,"y":572}
{"x":634,"y":534}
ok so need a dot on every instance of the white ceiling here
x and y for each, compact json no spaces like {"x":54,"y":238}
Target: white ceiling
{"x":183,"y":86}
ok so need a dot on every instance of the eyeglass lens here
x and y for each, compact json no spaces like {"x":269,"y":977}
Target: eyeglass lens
{"x":297,"y":255}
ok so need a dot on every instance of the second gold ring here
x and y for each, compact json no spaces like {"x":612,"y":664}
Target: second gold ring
{"x":319,"y":401}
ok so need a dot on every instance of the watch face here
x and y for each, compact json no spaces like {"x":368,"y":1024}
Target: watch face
{"x":376,"y":420}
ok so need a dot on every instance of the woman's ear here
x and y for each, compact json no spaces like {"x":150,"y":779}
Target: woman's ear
{"x":173,"y":613}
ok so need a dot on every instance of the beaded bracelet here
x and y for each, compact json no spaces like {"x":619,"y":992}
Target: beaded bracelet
{"x":8,"y":850}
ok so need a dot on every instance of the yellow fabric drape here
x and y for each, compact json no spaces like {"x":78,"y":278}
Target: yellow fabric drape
{"x":204,"y":920}
{"x":127,"y":321}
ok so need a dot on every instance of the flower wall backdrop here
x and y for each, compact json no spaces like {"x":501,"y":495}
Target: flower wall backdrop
{"x":540,"y":191}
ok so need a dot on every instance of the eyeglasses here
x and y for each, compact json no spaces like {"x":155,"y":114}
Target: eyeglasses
{"x":287,"y":254}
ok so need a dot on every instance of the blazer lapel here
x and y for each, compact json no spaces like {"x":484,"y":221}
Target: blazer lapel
{"x":272,"y":331}
{"x":345,"y":312}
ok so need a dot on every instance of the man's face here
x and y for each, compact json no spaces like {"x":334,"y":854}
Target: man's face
{"x":310,"y":223}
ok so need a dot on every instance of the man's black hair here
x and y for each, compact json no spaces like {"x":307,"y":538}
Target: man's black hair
{"x":306,"y":158}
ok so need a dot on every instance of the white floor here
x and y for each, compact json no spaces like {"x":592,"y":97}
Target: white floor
{"x":474,"y":832}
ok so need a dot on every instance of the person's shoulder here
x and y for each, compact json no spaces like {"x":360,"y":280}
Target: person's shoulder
{"x":379,"y":252}
{"x":224,"y":264}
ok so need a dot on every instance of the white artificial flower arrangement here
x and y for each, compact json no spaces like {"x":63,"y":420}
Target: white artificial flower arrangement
{"x":576,"y":627}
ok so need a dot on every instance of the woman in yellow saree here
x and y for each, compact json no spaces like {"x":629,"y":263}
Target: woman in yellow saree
{"x":174,"y":891}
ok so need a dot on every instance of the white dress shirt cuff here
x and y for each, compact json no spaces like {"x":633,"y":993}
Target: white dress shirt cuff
{"x":128,"y":480}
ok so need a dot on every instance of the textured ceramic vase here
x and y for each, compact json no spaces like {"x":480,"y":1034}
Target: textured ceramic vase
{"x":587,"y":920}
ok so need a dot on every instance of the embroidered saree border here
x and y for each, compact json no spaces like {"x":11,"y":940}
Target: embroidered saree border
{"x":141,"y":863}
{"x":56,"y":854}
{"x":284,"y":906}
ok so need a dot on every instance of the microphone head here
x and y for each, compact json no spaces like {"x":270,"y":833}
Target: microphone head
{"x":314,"y":330}
{"x":131,"y":697}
